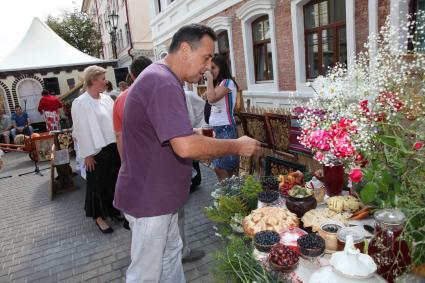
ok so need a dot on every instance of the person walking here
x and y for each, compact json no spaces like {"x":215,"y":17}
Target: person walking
{"x":92,"y":128}
{"x":136,"y":67}
{"x":159,"y":145}
{"x":221,"y":94}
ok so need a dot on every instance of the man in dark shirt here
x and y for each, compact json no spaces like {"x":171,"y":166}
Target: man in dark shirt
{"x":20,"y":123}
{"x":159,"y":145}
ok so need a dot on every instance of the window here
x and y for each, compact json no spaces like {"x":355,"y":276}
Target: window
{"x":325,"y":36}
{"x":262,"y":49}
{"x":159,"y":5}
{"x":71,"y":83}
{"x":223,"y":47}
{"x":416,"y":43}
{"x":52,"y":85}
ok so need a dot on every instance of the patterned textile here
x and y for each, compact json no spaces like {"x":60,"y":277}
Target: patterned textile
{"x":52,"y":120}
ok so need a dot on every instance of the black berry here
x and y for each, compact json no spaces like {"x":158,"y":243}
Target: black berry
{"x":270,"y":183}
{"x":268,"y":196}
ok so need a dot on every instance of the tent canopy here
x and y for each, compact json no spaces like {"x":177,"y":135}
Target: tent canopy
{"x":42,"y":48}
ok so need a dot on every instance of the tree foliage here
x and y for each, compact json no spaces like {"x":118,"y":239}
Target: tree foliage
{"x":77,"y":29}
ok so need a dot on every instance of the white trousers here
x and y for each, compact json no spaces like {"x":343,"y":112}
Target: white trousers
{"x":155,"y":250}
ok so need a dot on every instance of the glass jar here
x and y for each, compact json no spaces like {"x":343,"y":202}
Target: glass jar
{"x":388,"y":250}
{"x":358,"y":238}
{"x":333,"y":176}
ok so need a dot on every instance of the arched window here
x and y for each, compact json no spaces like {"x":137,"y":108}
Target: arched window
{"x":223,"y":46}
{"x":262,"y":49}
{"x":325,"y":36}
{"x":416,"y":43}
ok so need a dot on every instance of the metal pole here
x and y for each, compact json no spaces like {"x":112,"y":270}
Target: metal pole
{"x":114,"y":43}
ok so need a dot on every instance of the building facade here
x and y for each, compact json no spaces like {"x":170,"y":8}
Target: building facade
{"x":275,"y":46}
{"x":133,"y":33}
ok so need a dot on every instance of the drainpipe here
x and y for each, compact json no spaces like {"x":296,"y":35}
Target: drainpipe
{"x":98,"y":25}
{"x":129,"y":32}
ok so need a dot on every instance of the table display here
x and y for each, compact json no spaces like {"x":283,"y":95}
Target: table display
{"x":299,"y":247}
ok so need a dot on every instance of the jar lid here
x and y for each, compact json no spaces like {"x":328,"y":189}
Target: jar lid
{"x":390,"y":216}
{"x":358,"y":236}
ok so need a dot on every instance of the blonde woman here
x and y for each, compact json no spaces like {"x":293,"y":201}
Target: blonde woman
{"x":93,"y":130}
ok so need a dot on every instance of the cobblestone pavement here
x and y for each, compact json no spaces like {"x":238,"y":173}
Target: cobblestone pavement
{"x":52,"y":241}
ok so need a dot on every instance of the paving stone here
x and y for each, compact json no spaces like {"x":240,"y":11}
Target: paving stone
{"x":53,"y":241}
{"x":116,"y":274}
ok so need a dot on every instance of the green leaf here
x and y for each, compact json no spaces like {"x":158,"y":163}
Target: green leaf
{"x":386,"y":178}
{"x":368,"y":175}
{"x":369,"y":192}
{"x":388,"y":140}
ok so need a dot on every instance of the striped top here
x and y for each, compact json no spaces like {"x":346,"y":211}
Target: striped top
{"x":222,"y":110}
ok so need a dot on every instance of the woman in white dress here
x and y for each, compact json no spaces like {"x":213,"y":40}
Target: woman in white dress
{"x":93,"y":130}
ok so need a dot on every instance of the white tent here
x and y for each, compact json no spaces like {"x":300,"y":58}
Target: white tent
{"x":42,"y":48}
{"x":42,"y":55}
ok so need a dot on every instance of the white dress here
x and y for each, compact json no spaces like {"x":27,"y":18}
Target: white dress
{"x":92,"y":123}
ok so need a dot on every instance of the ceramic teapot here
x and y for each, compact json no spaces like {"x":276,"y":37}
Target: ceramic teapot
{"x":348,"y":266}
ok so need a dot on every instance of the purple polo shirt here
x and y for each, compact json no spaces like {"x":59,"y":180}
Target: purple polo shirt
{"x":153,"y":180}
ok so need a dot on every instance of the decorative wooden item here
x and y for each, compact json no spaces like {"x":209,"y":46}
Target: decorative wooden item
{"x":276,"y":166}
{"x":63,"y":145}
{"x":294,"y":144}
{"x":278,"y":129}
{"x":254,"y":126}
{"x":43,"y":146}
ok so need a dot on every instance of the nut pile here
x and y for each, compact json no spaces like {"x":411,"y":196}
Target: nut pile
{"x":283,"y":256}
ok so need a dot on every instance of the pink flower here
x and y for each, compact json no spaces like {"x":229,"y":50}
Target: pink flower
{"x":418,"y":145}
{"x":363,"y":105}
{"x":319,"y":156}
{"x":356,"y":175}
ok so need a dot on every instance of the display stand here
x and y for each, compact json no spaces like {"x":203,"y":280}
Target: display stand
{"x":41,"y":149}
{"x":61,"y":178}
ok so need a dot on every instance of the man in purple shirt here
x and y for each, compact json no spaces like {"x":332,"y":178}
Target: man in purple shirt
{"x":158,"y":147}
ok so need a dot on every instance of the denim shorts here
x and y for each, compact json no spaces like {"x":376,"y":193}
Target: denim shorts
{"x":228,"y":162}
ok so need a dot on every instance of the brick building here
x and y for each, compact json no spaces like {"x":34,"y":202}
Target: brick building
{"x":275,"y":46}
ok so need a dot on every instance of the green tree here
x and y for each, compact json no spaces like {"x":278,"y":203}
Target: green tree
{"x":77,"y":29}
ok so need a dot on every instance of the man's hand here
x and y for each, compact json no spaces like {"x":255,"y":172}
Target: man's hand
{"x":248,"y":146}
{"x":89,"y":163}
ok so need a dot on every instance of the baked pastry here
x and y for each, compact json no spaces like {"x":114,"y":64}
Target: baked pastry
{"x":269,"y":218}
{"x":344,"y":203}
{"x":316,"y":217}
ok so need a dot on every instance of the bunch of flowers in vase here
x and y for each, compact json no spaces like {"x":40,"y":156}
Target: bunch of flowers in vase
{"x":370,"y":117}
